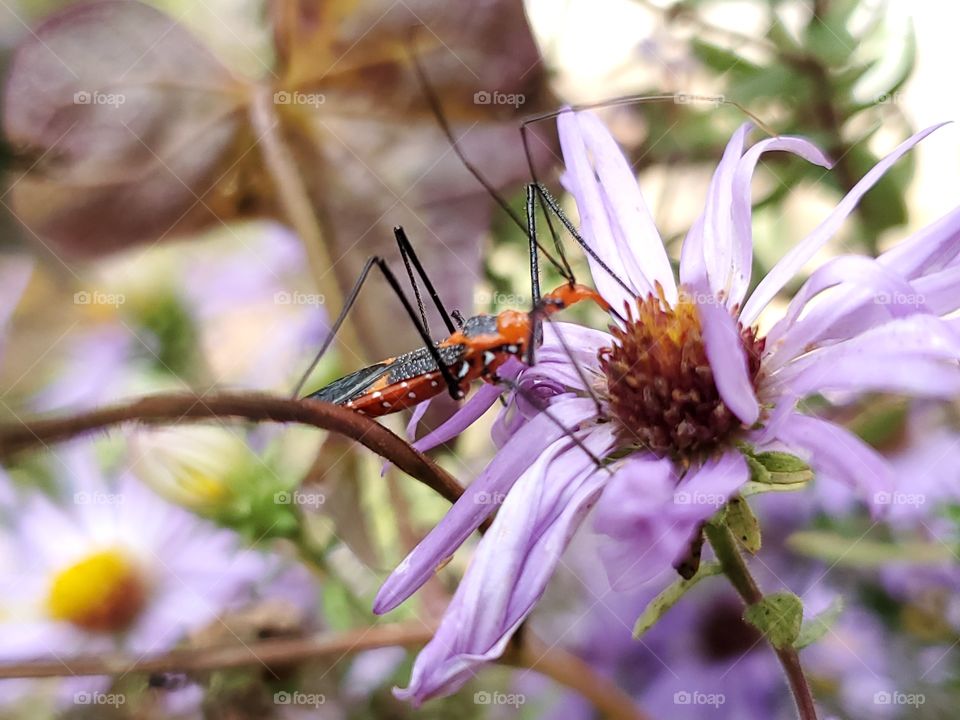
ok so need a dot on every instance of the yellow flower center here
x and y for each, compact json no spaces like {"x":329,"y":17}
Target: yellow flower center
{"x":103,"y":592}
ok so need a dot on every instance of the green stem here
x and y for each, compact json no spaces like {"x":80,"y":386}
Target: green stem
{"x":731,"y":561}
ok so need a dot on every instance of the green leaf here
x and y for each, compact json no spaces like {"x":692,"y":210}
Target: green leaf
{"x":817,"y":626}
{"x":778,"y":468}
{"x":779,"y":617}
{"x":658,"y":607}
{"x":751,"y":488}
{"x":839,"y":549}
{"x":743,"y":524}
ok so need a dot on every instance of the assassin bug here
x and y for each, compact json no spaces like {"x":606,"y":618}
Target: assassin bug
{"x":475,"y":350}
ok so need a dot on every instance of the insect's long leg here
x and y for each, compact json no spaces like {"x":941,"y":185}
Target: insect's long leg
{"x":535,"y":334}
{"x":413,"y":282}
{"x":378,"y":262}
{"x":555,"y":420}
{"x":410,"y":256}
{"x":562,"y":266}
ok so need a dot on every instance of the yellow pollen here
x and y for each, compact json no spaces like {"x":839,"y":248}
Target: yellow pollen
{"x":103,"y":592}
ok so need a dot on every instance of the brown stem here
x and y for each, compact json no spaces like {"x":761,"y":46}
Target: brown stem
{"x":572,"y":672}
{"x":264,"y":652}
{"x":175,"y":408}
{"x":725,"y":547}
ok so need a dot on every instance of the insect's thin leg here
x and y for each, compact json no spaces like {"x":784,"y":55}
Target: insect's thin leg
{"x":535,"y":335}
{"x":562,"y":266}
{"x":576,"y":366}
{"x":347,"y":305}
{"x":374,"y":261}
{"x":413,"y":281}
{"x":410,"y":256}
{"x":452,"y":385}
{"x":558,"y":211}
{"x":556,"y":421}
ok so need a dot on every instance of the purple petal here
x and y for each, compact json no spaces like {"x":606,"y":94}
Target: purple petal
{"x":908,"y":375}
{"x":728,"y":360}
{"x":707,"y":245}
{"x":940,"y":291}
{"x":791,"y":263}
{"x":581,"y":182}
{"x":512,"y":565}
{"x":862,"y":280}
{"x":839,"y":454}
{"x":931,"y":247}
{"x":636,"y":233}
{"x":741,"y":206}
{"x":650,"y":518}
{"x":479,"y":500}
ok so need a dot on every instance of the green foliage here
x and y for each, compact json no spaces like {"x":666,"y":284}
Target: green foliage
{"x":779,"y":617}
{"x":661,"y":604}
{"x":816,"y":627}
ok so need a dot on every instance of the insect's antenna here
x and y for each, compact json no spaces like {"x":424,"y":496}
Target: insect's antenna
{"x":562,"y":266}
{"x":410,"y":256}
{"x":677,"y":98}
{"x":576,"y":366}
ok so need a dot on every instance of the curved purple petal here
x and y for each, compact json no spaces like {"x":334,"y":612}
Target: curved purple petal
{"x":642,"y":254}
{"x":862,"y":280}
{"x":940,"y":291}
{"x":728,"y":360}
{"x":791,"y":263}
{"x":741,"y":206}
{"x":839,"y":454}
{"x":930,"y":248}
{"x":480,"y":499}
{"x":512,"y":565}
{"x":651,"y":518}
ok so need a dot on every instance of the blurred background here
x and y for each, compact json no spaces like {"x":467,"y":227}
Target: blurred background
{"x":189,"y":192}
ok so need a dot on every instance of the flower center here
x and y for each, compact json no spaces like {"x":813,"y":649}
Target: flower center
{"x":103,"y":592}
{"x":659,"y":382}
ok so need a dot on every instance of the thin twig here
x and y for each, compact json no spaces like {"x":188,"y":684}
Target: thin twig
{"x":736,"y":570}
{"x":183,"y":407}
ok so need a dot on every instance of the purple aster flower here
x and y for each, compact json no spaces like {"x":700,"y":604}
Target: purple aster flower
{"x":669,"y":396}
{"x":118,"y":568}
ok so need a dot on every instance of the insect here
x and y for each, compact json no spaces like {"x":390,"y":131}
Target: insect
{"x":475,"y":350}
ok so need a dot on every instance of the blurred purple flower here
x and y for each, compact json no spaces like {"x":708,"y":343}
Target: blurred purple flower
{"x":679,"y":384}
{"x":116,"y":568}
